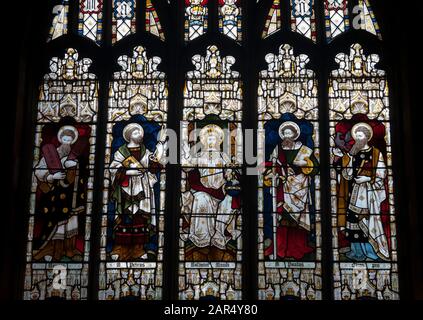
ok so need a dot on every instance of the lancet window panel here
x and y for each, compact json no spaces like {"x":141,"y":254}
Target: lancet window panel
{"x":289,"y":216}
{"x":363,"y":207}
{"x":61,"y":199}
{"x":134,"y":194}
{"x":210,"y":223}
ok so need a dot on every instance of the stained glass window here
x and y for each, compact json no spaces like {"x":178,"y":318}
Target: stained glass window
{"x":196,"y":15}
{"x":123,"y":19}
{"x":337,"y":20}
{"x":367,"y":19}
{"x":303,"y":18}
{"x":273,"y":20}
{"x":289,"y":184}
{"x":134,"y":181}
{"x":62,"y":182}
{"x":91,"y":19}
{"x":363,"y":220}
{"x":230,"y":18}
{"x":59,"y":26}
{"x":210,"y":231}
{"x":210,"y":241}
{"x":152,"y":21}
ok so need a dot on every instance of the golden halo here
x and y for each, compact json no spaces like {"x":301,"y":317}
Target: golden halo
{"x":130,"y":127}
{"x":291,"y":125}
{"x":68,"y":128}
{"x":360,"y":125}
{"x":211,"y":129}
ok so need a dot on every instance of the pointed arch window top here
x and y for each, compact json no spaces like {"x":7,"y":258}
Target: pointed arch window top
{"x":152,"y":21}
{"x":230,"y":19}
{"x":91,"y":19}
{"x":368,"y":20}
{"x":337,"y":20}
{"x":196,"y":15}
{"x":123,"y":21}
{"x":273,"y":20}
{"x":59,"y":26}
{"x":303,"y":20}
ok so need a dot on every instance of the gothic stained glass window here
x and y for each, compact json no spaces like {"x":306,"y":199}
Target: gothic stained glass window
{"x":134,"y":185}
{"x":129,"y":263}
{"x":152,"y":21}
{"x":123,"y":19}
{"x":210,"y":249}
{"x":62,"y":182}
{"x":90,"y":23}
{"x":230,"y":19}
{"x":363,"y":215}
{"x":337,"y":20}
{"x":196,"y":15}
{"x":59,"y":26}
{"x":289,"y":182}
{"x":273,"y":20}
{"x":368,"y":20}
{"x":303,"y":18}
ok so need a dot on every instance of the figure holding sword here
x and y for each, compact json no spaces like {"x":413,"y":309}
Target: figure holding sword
{"x":293,"y":166}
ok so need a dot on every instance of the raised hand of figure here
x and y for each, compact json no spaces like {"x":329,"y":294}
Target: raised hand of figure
{"x":362,"y":179}
{"x":160,"y":151}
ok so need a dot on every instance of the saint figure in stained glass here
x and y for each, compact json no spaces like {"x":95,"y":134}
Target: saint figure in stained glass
{"x":361,"y":193}
{"x":61,"y":194}
{"x":133,"y":176}
{"x":289,"y":177}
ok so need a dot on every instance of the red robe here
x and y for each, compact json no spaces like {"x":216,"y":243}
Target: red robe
{"x":292,"y":241}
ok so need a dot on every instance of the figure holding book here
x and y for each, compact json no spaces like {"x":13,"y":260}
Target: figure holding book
{"x":133,"y":173}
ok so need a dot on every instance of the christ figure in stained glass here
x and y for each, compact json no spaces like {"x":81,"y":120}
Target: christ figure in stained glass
{"x":215,"y":194}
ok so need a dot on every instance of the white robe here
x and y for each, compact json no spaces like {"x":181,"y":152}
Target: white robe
{"x":296,"y":192}
{"x":143,"y":182}
{"x":210,"y":216}
{"x":369,"y":196}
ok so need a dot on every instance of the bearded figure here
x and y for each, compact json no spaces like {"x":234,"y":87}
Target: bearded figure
{"x":361,"y":191}
{"x":289,"y":175}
